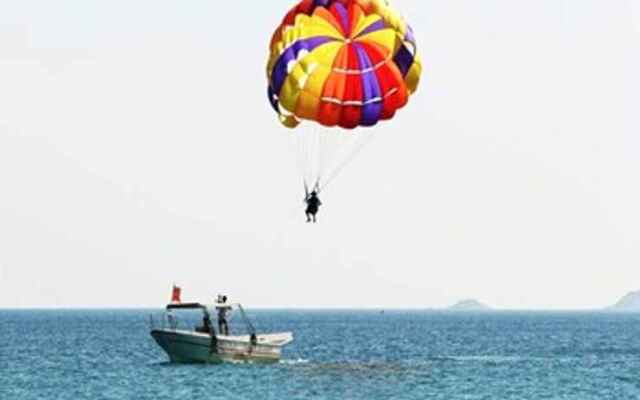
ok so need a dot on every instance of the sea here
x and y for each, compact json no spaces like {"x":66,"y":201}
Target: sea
{"x":368,"y":355}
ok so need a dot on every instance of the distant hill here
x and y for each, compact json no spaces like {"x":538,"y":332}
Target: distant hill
{"x":469,"y":305}
{"x":630,"y":302}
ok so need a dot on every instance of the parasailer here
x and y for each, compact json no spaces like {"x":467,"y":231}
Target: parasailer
{"x":340,"y":65}
{"x":313,"y":205}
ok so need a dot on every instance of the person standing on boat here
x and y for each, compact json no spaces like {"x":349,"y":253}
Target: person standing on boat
{"x":223,"y":312}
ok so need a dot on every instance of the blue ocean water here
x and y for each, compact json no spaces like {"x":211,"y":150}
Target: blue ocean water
{"x":336,"y":355}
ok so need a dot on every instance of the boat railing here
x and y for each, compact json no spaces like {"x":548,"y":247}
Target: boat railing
{"x":247,"y":321}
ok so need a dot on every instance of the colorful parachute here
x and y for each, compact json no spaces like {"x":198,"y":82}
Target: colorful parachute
{"x":346,"y":63}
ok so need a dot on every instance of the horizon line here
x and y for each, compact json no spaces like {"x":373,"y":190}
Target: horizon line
{"x":316,"y":308}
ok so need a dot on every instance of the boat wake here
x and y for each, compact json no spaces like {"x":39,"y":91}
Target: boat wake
{"x":491,"y":359}
{"x":294,"y":362}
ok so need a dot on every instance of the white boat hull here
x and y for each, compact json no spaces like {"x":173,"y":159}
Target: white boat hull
{"x":193,"y":347}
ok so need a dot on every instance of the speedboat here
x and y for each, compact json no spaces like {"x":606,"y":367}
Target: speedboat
{"x":202,"y":344}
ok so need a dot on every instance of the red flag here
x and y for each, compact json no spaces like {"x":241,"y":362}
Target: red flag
{"x":175,"y":296}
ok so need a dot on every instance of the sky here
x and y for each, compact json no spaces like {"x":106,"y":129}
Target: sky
{"x":138,"y":150}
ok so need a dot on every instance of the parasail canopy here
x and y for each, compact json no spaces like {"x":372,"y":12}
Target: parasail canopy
{"x":345,"y":63}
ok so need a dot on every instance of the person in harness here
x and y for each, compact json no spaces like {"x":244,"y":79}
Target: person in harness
{"x":313,"y":205}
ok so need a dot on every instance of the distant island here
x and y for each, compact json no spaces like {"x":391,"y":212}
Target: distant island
{"x":629,"y":303}
{"x":469,"y":305}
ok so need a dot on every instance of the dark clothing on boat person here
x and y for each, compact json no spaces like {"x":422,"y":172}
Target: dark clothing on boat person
{"x":313,"y":206}
{"x":223,"y":326}
{"x":206,"y":325}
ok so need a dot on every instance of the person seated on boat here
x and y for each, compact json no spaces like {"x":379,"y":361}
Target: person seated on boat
{"x":206,"y":325}
{"x":223,"y":311}
{"x":313,"y":205}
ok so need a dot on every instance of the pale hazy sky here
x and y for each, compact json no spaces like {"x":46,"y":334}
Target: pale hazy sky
{"x":137,"y":149}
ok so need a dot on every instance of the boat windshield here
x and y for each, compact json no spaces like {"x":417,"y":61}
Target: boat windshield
{"x":221,"y":319}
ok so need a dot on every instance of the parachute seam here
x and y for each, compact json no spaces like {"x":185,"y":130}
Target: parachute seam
{"x":363,"y":71}
{"x":374,"y":100}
